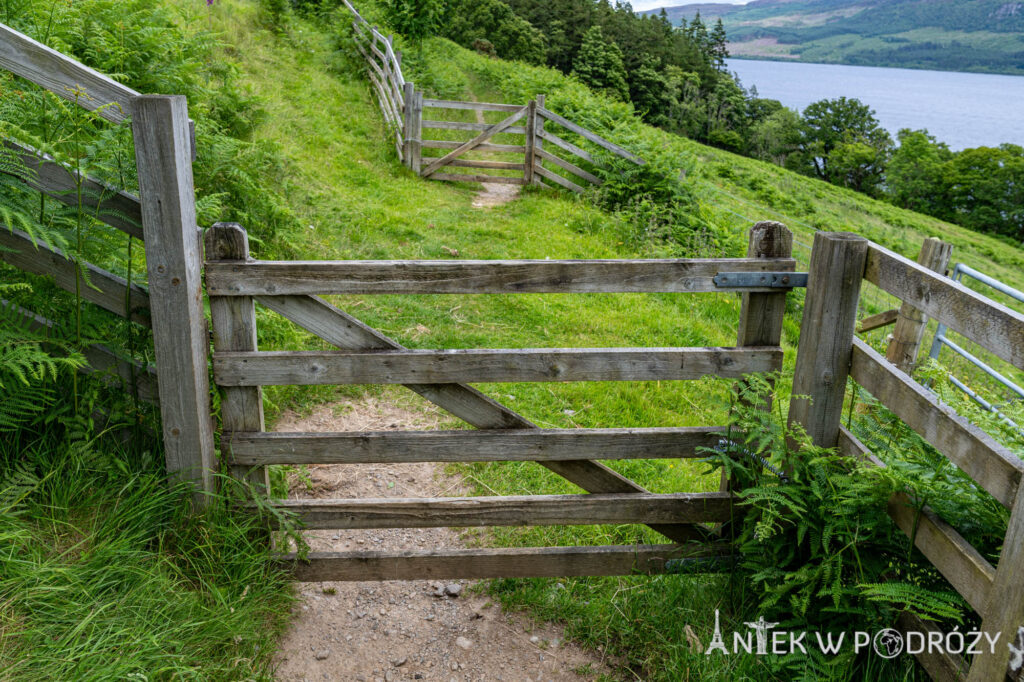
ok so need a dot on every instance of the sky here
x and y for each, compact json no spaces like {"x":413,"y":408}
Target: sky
{"x":641,"y":5}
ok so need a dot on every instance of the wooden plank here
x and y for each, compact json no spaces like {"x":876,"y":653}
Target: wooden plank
{"x":964,"y":567}
{"x":873,"y":322}
{"x":567,"y":146}
{"x":98,"y":287}
{"x":416,"y":144}
{"x":174,"y":263}
{"x":826,"y":334}
{"x":478,"y":563}
{"x":906,"y":336}
{"x":593,"y":137}
{"x":681,"y":275}
{"x":109,"y":205}
{"x":558,"y":179}
{"x":523,"y":510}
{"x":484,"y":445}
{"x":1004,"y":613}
{"x":474,"y":106}
{"x":467,"y":177}
{"x":234,"y":329}
{"x":103,"y":363}
{"x":467,"y":146}
{"x":940,"y":665}
{"x":465,"y":125}
{"x":990,"y":464}
{"x":538,"y":141}
{"x":982,"y":320}
{"x":64,"y":76}
{"x":483,"y":147}
{"x":408,"y":124}
{"x":497,"y":165}
{"x":279,"y":368}
{"x":561,"y":163}
{"x":465,"y":402}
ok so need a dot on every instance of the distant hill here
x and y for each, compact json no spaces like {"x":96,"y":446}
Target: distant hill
{"x":956,"y":35}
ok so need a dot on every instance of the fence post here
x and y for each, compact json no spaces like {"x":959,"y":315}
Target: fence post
{"x":1004,"y":613}
{"x":761,"y":315}
{"x":415,"y":143}
{"x":531,"y":140}
{"x":538,"y":140}
{"x":173,"y":263}
{"x":826,"y":334}
{"x":409,"y":94}
{"x":910,"y":324}
{"x":234,"y":329}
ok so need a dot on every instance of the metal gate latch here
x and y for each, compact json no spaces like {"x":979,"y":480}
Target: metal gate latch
{"x":773,"y":280}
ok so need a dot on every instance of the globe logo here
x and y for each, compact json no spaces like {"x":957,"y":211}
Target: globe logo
{"x":888,"y":643}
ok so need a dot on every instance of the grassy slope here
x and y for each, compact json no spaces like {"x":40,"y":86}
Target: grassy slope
{"x":358,"y":202}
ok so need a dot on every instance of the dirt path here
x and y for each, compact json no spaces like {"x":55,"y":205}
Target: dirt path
{"x":493,"y":193}
{"x":416,"y":630}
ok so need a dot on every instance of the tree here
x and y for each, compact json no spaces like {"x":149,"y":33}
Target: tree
{"x":415,"y":19}
{"x":719,"y":48}
{"x":599,"y":65}
{"x":848,"y":123}
{"x":915,"y":173}
{"x":775,"y":137}
{"x":494,"y":22}
{"x":983,"y":189}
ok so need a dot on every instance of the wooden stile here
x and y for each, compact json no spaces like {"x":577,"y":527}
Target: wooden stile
{"x":910,"y":324}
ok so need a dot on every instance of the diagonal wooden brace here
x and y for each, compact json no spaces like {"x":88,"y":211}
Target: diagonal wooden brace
{"x":344,"y":331}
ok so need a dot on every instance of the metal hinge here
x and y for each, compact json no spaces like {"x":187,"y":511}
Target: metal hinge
{"x":773,"y":280}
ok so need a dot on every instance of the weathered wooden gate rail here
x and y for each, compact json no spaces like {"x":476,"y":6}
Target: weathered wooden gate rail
{"x":290,"y":288}
{"x":402,"y":106}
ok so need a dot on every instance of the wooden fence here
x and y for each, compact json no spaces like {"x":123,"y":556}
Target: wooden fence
{"x":829,"y":353}
{"x":517,"y":139}
{"x":163,"y":217}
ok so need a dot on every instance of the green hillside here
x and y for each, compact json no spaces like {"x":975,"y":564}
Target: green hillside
{"x":978,"y":35}
{"x":312,"y":173}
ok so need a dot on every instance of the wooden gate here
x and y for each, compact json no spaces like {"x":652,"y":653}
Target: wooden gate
{"x":366,"y":357}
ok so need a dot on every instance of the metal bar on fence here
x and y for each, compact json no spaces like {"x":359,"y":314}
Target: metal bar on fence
{"x":942,"y":340}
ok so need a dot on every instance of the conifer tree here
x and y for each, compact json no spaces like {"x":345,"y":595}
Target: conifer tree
{"x":719,"y":45}
{"x":599,"y":64}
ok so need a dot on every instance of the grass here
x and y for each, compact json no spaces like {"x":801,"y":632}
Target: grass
{"x":357,"y":201}
{"x":105,"y":574}
{"x":104,"y":560}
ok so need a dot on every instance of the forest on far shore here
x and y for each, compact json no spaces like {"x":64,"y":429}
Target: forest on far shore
{"x":675,"y":77}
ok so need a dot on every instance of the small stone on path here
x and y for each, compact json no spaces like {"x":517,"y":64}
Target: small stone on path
{"x":463,"y":643}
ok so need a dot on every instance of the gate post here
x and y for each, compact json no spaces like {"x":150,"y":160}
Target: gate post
{"x":412,"y":127}
{"x":826,"y":334}
{"x":909,"y":330}
{"x":173,"y":262}
{"x":538,"y":140}
{"x":761,"y":315}
{"x":529,"y":157}
{"x":234,"y":329}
